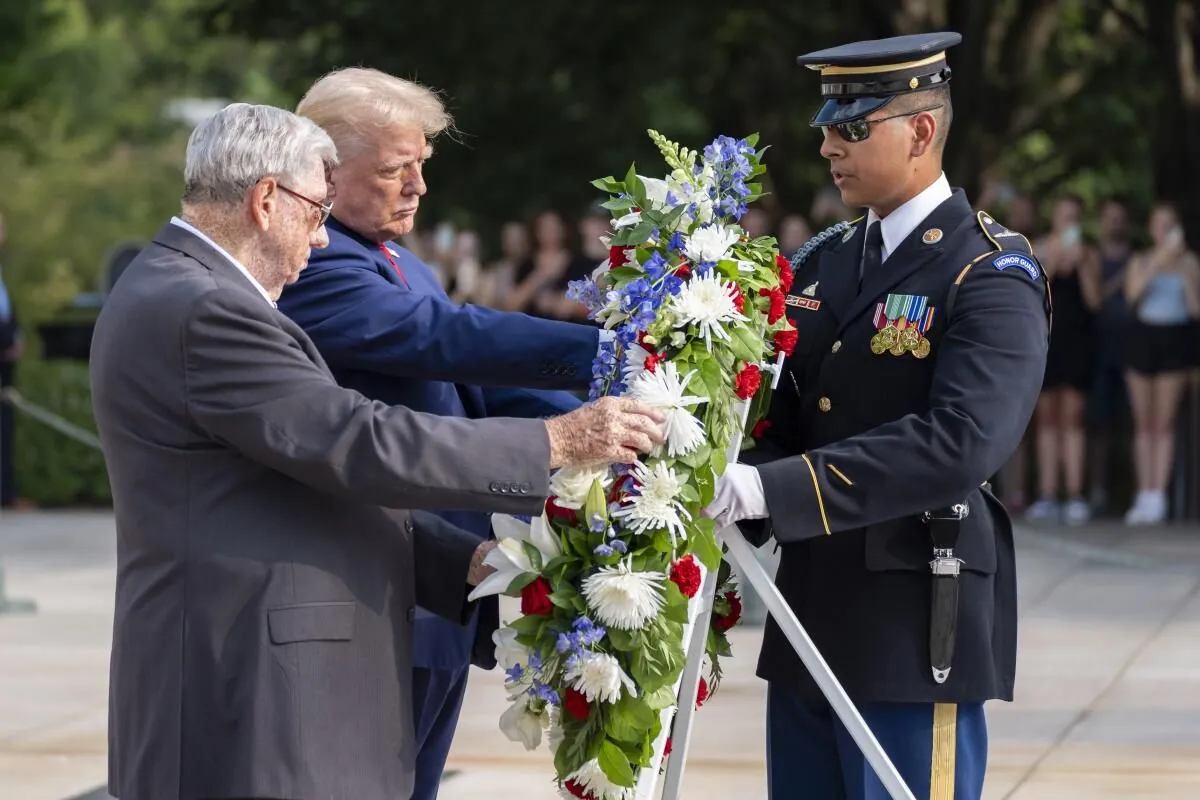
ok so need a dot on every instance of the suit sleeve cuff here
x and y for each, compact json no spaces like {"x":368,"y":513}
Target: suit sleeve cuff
{"x":795,"y":499}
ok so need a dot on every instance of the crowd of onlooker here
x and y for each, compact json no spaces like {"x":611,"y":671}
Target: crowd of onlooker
{"x":1124,"y":339}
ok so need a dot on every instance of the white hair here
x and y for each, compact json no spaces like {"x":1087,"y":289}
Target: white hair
{"x":355,"y":103}
{"x":242,"y":144}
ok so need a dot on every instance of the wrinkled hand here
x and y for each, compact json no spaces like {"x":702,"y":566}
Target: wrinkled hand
{"x":739,"y":495}
{"x":611,"y":430}
{"x":478,"y":570}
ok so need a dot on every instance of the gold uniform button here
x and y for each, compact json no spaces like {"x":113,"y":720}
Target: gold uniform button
{"x":824,"y":404}
{"x":837,"y":345}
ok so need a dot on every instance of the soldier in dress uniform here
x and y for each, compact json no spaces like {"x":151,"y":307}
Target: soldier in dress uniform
{"x":923,"y":330}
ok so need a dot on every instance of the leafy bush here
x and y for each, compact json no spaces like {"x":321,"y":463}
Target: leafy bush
{"x":53,"y":469}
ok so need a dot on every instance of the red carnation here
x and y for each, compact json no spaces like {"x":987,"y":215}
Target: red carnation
{"x":778,"y":306}
{"x":702,"y":693}
{"x":652,"y":361}
{"x":616,"y":257}
{"x":667,"y":749}
{"x":760,"y":427}
{"x":785,"y":279}
{"x":786,"y":340}
{"x":576,"y":704}
{"x":554,"y":510}
{"x":686,"y":575}
{"x":683,"y":270}
{"x":723,"y":622}
{"x":739,"y":302}
{"x":782,"y":265}
{"x":745,"y":385}
{"x":535,"y":599}
{"x":578,"y":791}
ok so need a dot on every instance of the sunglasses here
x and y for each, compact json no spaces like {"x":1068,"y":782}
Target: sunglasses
{"x":859,"y":130}
{"x":325,"y":208}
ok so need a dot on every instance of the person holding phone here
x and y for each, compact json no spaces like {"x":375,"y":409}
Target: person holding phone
{"x":1162,"y":288}
{"x":1073,"y":269}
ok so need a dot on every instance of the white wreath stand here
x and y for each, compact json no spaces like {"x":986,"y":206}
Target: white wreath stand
{"x":700,"y":611}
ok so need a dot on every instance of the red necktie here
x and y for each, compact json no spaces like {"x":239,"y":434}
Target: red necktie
{"x":387,"y":254}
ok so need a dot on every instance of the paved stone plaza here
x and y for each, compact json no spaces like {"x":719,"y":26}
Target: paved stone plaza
{"x":1108,"y":694}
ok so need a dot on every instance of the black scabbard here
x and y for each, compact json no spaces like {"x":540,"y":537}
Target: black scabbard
{"x":944,"y":525}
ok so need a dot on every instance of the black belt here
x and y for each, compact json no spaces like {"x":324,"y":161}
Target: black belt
{"x":943,"y":612}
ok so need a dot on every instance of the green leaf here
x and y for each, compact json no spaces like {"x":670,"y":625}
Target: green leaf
{"x":564,"y":598}
{"x":609,"y":184}
{"x":689,"y":494}
{"x":719,"y":462}
{"x":579,"y":543}
{"x":534,"y":555}
{"x":617,"y":204}
{"x":615,"y":764}
{"x":662,"y":542}
{"x":752,"y":140}
{"x":677,"y":605}
{"x":698,"y":457}
{"x":660,"y":698}
{"x":527,"y":626}
{"x":621,"y":640}
{"x":742,"y":349}
{"x":520,"y":582}
{"x":704,"y":546}
{"x":752,"y":342}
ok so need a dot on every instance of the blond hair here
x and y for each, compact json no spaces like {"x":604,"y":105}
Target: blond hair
{"x":354,"y":103}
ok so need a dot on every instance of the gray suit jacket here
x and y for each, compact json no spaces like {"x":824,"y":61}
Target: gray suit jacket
{"x":265,"y":586}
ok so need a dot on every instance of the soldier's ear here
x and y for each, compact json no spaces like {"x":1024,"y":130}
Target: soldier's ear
{"x":924,"y":130}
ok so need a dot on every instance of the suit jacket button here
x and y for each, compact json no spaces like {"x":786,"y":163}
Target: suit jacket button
{"x":493,"y":487}
{"x":836,"y":346}
{"x":524,"y":488}
{"x":824,"y":404}
{"x":411,"y":614}
{"x":408,"y":524}
{"x":572,"y":371}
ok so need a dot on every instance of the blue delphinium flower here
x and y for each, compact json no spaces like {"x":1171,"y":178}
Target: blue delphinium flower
{"x":514,"y":673}
{"x":656,"y":266}
{"x":542,"y":691}
{"x":603,"y":551}
{"x":675,"y":244}
{"x":619,"y":546}
{"x":587,"y":293}
{"x":597,"y":523}
{"x":604,"y":367}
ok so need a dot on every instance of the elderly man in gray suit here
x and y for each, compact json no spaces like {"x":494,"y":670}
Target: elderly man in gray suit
{"x":266,"y":574}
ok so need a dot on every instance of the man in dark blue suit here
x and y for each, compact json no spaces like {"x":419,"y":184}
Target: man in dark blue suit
{"x":387,"y":329}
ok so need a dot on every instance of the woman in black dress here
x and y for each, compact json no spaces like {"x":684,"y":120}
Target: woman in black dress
{"x":1073,"y":269}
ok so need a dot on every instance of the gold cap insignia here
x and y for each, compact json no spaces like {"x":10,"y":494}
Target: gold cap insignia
{"x":811,"y":291}
{"x":932,"y":236}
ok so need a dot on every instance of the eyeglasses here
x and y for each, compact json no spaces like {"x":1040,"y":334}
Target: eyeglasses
{"x":325,"y":208}
{"x":859,"y":130}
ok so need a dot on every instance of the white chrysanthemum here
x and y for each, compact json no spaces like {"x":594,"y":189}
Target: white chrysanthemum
{"x":572,"y":484}
{"x":508,"y":650}
{"x":710,"y":243}
{"x":622,"y":598}
{"x":656,"y":505}
{"x":664,"y":390}
{"x":707,"y":302}
{"x":598,"y":676}
{"x":635,"y":361}
{"x":520,"y":724}
{"x":508,"y":558}
{"x":591,"y":779}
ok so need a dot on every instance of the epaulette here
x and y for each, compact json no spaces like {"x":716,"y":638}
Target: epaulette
{"x":815,"y":243}
{"x":1001,"y":237}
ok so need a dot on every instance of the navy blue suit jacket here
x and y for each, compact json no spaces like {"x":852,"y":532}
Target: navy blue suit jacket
{"x":399,"y":339}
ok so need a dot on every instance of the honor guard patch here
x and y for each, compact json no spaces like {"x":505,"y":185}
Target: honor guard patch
{"x":1016,"y":260}
{"x":806,"y":303}
{"x":811,"y":290}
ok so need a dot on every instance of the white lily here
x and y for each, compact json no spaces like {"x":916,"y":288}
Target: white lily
{"x":508,"y":650}
{"x":521,"y":725}
{"x":508,"y":558}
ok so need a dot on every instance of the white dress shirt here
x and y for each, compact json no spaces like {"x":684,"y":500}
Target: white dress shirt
{"x":901,"y":222}
{"x":242,"y":269}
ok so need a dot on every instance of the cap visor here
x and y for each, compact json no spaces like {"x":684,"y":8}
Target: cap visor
{"x":837,"y":111}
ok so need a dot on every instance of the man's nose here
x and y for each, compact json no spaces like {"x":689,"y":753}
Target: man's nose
{"x":832,"y":145}
{"x":319,"y":239}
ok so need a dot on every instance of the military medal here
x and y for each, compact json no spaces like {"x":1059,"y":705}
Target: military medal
{"x":887,"y":334}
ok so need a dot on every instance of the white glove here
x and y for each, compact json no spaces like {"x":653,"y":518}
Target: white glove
{"x":739,"y":495}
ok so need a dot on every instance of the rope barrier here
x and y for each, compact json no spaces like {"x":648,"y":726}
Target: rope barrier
{"x":69,"y":429}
